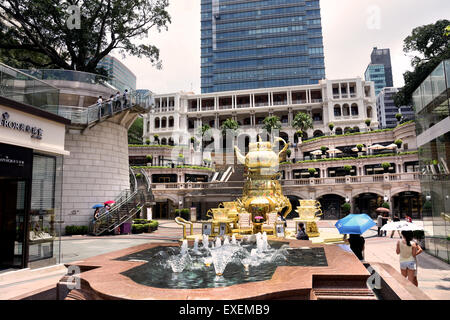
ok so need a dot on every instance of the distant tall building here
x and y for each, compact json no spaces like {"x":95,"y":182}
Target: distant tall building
{"x":380,"y":69}
{"x":260,"y":44}
{"x":122,"y":77}
{"x":387,"y":110}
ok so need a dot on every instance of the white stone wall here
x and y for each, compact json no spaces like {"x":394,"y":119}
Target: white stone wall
{"x":97,"y":170}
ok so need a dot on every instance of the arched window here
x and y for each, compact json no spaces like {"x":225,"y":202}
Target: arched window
{"x":338,"y":131}
{"x":355,"y":109}
{"x":157,"y":123}
{"x":369,"y":112}
{"x":337,"y":110}
{"x":164,"y":123}
{"x":346,"y":110}
{"x":356,"y":129}
{"x":348,"y":130}
{"x":318,"y":133}
{"x":171,"y":122}
{"x":164,"y":141}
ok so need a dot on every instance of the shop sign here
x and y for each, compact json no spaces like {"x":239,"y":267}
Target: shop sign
{"x":35,"y":132}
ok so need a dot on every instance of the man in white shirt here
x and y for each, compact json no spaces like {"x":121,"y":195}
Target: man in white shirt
{"x":99,"y":104}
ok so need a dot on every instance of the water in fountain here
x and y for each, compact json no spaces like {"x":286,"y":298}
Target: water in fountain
{"x":221,"y":256}
{"x":259,"y":243}
{"x":218,"y":243}
{"x":264,"y":242}
{"x":195,"y":245}
{"x":184,"y":247}
{"x":233,"y":239}
{"x":205,"y":241}
{"x":179,"y":262}
{"x":226,"y":241}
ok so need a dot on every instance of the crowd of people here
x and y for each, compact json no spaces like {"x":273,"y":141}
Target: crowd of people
{"x":113,"y":103}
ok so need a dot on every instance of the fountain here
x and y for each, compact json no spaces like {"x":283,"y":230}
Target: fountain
{"x":205,"y":241}
{"x":218,"y":243}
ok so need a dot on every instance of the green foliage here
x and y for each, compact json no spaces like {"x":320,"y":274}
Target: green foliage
{"x":138,"y":175}
{"x":136,"y":131}
{"x":368,"y":122}
{"x":331,"y":126}
{"x":180,"y":156}
{"x":35,"y":32}
{"x":143,"y":226}
{"x":398,"y":142}
{"x":271,"y":123}
{"x":288,"y":153}
{"x":302,"y":121}
{"x":168,"y":167}
{"x":348,"y":134}
{"x":149,"y":157}
{"x":312,"y":171}
{"x":147,"y":141}
{"x":183,"y":213}
{"x":323,"y":149}
{"x":76,"y":230}
{"x":430,"y":43}
{"x":347,"y":168}
{"x":360,"y":146}
{"x":360,"y":157}
{"x":398,"y":116}
{"x":386,"y":205}
{"x":385,"y":165}
{"x":229,"y":125}
{"x":346,"y":207}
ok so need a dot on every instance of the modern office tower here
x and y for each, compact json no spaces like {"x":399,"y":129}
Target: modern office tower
{"x":380,"y":69}
{"x":387,"y":109}
{"x":124,"y":78}
{"x":260,"y":44}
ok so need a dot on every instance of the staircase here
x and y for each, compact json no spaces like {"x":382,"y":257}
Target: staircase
{"x":126,"y":206}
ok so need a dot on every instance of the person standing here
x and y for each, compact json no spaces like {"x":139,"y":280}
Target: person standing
{"x":408,"y":218}
{"x":379,"y":223}
{"x":117,"y":100}
{"x":357,"y":243}
{"x":301,"y":233}
{"x":99,"y":105}
{"x":385,"y":220}
{"x":408,"y":250}
{"x":125,"y":99}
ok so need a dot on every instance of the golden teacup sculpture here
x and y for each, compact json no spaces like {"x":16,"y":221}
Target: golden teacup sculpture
{"x":309,"y":212}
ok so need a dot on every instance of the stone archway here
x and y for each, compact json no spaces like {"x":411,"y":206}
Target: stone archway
{"x":408,"y":203}
{"x":367,"y":202}
{"x":331,"y":206}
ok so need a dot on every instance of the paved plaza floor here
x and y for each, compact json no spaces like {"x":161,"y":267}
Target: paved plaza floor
{"x":433,"y":274}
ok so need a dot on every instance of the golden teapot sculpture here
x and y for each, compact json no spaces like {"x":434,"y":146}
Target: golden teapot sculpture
{"x":261,"y":158}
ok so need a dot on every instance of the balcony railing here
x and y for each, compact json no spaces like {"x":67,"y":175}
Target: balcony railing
{"x":349,"y":180}
{"x":298,"y":101}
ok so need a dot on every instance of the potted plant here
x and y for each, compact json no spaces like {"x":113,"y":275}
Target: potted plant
{"x":312,"y":172}
{"x":386,"y":166}
{"x":323,"y":149}
{"x":156,"y":137}
{"x":331,"y":126}
{"x":288,"y":153}
{"x":368,"y":122}
{"x":359,"y":147}
{"x":347,"y":169}
{"x":192,"y":140}
{"x":181,"y":158}
{"x":207,"y":162}
{"x":147,"y":142}
{"x":346,"y":207}
{"x":399,"y":143}
{"x":399,"y":117}
{"x":149,"y":158}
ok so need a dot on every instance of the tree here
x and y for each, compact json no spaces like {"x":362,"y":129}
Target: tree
{"x":229,"y":125}
{"x":431,"y":45}
{"x":271,"y":123}
{"x":205,"y":132}
{"x":44,"y":33}
{"x":302,"y":121}
{"x":136,"y":131}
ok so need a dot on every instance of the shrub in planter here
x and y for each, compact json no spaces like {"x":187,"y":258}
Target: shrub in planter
{"x":147,"y":141}
{"x":386,"y":205}
{"x":288,"y":153}
{"x":156,"y":137}
{"x":399,"y":143}
{"x":347,"y":168}
{"x":323,"y":149}
{"x":312,"y":171}
{"x":398,"y":116}
{"x":76,"y":230}
{"x":331,"y":126}
{"x":386,"y":166}
{"x":360,"y":147}
{"x":346,"y":207}
{"x":368,"y":122}
{"x":149,"y":158}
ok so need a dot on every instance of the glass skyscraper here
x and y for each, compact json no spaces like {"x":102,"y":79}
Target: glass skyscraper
{"x":248,"y":44}
{"x":380,"y":69}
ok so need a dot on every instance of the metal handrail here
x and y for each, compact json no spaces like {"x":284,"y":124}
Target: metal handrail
{"x":184,"y":223}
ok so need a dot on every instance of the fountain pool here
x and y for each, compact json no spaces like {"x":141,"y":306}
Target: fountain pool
{"x":222,"y":266}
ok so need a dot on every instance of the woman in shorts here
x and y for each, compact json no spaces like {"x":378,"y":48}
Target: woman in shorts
{"x":408,"y":250}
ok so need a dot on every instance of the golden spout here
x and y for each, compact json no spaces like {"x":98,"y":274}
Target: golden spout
{"x":239,"y":155}
{"x":286,"y":145}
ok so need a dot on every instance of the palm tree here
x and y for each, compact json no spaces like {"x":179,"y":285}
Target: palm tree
{"x":271,"y":123}
{"x":302,"y":122}
{"x":205,"y":131}
{"x":229,"y":125}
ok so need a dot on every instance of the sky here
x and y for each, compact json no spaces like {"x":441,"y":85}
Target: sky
{"x":351,"y":28}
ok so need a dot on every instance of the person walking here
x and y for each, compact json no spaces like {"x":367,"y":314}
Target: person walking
{"x":117,"y":101}
{"x":408,"y":218}
{"x":379,"y":223}
{"x":408,"y":250}
{"x":385,"y":220}
{"x":125,"y":99}
{"x":357,"y":243}
{"x":99,"y":105}
{"x":395,"y":219}
{"x":301,"y":233}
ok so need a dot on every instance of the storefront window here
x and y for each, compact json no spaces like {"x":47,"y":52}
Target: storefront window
{"x":44,"y":213}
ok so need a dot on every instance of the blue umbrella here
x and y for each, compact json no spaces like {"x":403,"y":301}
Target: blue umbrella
{"x":98,"y":206}
{"x":355,"y":224}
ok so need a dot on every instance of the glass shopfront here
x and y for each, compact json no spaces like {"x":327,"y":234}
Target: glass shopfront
{"x":30,"y":198}
{"x":432,"y":105}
